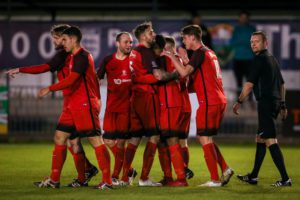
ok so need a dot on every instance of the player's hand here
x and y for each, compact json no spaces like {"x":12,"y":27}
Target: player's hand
{"x":166,"y":53}
{"x":43,"y":92}
{"x":283,"y":114}
{"x":12,"y":72}
{"x":235,"y":108}
{"x":183,"y":55}
{"x":158,"y":74}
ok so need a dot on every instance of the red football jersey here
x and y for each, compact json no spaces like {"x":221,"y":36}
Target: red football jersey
{"x":60,"y":63}
{"x":85,"y":91}
{"x":207,"y":77}
{"x":169,"y":93}
{"x":142,"y":61}
{"x":118,"y":83}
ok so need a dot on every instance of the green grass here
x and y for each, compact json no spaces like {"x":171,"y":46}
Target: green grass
{"x":22,"y":164}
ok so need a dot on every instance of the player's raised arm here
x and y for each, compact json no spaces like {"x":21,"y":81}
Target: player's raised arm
{"x":184,"y":71}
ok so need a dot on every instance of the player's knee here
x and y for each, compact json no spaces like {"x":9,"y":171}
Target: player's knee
{"x":109,"y":143}
{"x":121,"y":143}
{"x":154,"y":139}
{"x":60,"y":139}
{"x":183,"y":143}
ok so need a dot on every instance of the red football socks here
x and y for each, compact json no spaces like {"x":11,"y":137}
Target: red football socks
{"x":222,"y":163}
{"x":210,"y":156}
{"x":103,"y":159}
{"x":58,"y":158}
{"x":149,"y":154}
{"x":79,"y":159}
{"x":165,"y":161}
{"x":185,"y":155}
{"x":119,"y":158}
{"x":177,"y":161}
{"x":113,"y":150}
{"x":128,"y":158}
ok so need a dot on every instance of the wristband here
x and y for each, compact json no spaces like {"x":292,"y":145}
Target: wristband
{"x":239,"y":101}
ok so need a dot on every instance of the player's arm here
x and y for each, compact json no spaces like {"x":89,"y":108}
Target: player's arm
{"x":164,"y":76}
{"x":183,"y":71}
{"x":67,"y":82}
{"x":247,"y":88}
{"x":36,"y":69}
{"x":283,"y":109}
{"x":145,"y":79}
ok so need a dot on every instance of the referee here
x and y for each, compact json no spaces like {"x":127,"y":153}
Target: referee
{"x":268,"y":85}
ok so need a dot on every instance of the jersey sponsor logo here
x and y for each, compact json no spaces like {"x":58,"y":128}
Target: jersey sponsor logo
{"x":118,"y":81}
{"x":154,"y":65}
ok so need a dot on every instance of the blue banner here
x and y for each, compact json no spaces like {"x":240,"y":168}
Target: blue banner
{"x":28,"y":43}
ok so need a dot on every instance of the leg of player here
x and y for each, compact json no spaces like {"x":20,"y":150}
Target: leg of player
{"x":186,"y":157}
{"x":111,"y":144}
{"x":119,"y":158}
{"x":279,"y":162}
{"x":177,"y":161}
{"x":165,"y":162}
{"x":79,"y":160}
{"x":58,"y":158}
{"x":86,"y":171}
{"x":210,"y":156}
{"x":227,"y":172}
{"x":252,"y":178}
{"x":130,"y":150}
{"x":103,"y":159}
{"x":148,"y":158}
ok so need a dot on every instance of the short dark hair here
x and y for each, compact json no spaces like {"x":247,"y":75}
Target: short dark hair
{"x":159,"y":43}
{"x":58,"y":28}
{"x":262,"y":34}
{"x":119,"y":35}
{"x":170,"y":40}
{"x":192,"y":30}
{"x":141,"y":28}
{"x":73,"y":31}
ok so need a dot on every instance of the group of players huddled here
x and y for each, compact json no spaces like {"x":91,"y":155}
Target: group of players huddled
{"x":147,"y":96}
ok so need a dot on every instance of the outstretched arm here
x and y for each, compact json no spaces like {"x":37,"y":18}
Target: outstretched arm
{"x":36,"y":69}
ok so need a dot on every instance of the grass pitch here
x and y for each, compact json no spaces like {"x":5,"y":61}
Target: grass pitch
{"x":22,"y":164}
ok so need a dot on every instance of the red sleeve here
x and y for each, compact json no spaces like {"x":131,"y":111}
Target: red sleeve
{"x":145,"y":79}
{"x":37,"y":69}
{"x":67,"y":82}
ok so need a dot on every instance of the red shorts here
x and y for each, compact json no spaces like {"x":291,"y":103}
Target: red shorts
{"x":170,"y":122}
{"x":144,"y":115}
{"x":116,"y":125}
{"x":184,"y":123}
{"x":208,"y":119}
{"x":80,"y":122}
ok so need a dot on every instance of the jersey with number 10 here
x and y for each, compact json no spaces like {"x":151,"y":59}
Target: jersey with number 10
{"x":207,"y":77}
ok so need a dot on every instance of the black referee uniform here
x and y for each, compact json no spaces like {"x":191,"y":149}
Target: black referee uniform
{"x":267,"y":80}
{"x":267,"y":83}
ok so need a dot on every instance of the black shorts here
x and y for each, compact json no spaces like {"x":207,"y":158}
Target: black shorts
{"x":267,"y":115}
